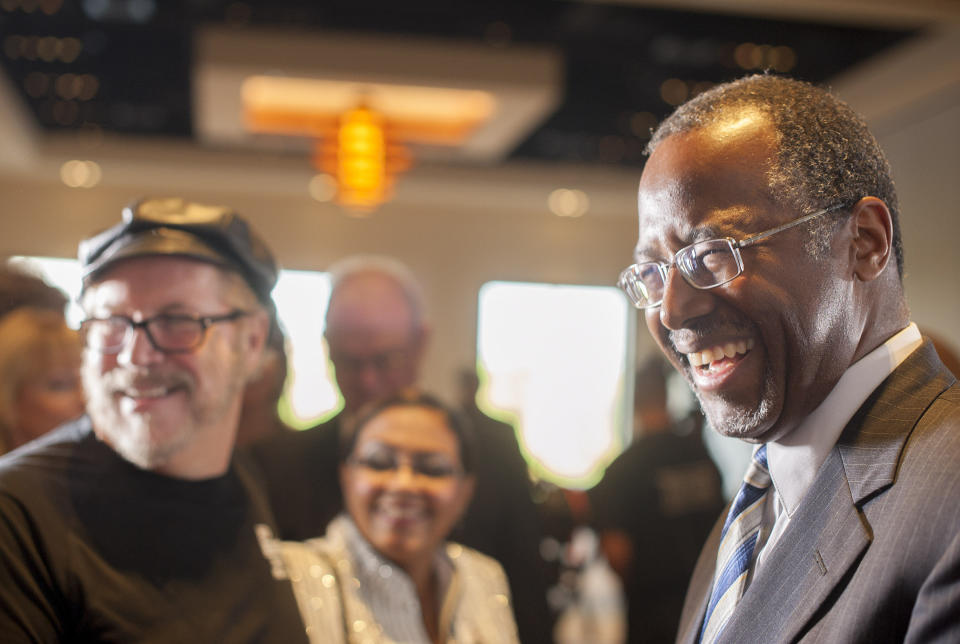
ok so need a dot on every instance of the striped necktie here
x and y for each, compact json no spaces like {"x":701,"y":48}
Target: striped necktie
{"x":737,"y":541}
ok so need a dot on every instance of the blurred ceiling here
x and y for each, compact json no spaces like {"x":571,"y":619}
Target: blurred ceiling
{"x":125,"y":67}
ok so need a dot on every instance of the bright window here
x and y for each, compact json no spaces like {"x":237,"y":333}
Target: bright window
{"x":556,"y":362}
{"x":301,"y":298}
{"x":311,"y":395}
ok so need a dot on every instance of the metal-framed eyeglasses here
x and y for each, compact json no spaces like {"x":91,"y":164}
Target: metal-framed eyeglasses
{"x":166,"y":332}
{"x":703,"y":265}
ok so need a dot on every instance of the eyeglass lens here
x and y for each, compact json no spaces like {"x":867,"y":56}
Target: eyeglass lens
{"x":169,"y":333}
{"x":709,"y":263}
{"x":703,"y":265}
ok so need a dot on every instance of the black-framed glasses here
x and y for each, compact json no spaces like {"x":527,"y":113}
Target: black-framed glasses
{"x":167,"y":332}
{"x":703,"y":265}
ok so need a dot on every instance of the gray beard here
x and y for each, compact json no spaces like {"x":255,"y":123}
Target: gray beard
{"x":745,"y":424}
{"x":129,"y":436}
{"x":132,"y":436}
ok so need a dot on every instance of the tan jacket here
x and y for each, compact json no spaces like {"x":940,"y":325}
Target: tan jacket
{"x":349,"y":594}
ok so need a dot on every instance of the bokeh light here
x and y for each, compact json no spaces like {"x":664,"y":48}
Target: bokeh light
{"x":80,"y":174}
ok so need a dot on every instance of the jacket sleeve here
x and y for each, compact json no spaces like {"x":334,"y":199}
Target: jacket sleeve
{"x":934,"y":617}
{"x":31,"y":605}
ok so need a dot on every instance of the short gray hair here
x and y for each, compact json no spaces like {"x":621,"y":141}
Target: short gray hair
{"x":355,"y":265}
{"x":826,"y":153}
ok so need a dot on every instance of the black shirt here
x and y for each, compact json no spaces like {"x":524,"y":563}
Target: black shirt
{"x":664,"y":493}
{"x":94,"y":549}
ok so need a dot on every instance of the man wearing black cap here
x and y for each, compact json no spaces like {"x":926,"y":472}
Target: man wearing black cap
{"x":136,"y":523}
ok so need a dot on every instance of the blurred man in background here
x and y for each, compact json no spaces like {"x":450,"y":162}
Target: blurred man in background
{"x":377,"y":333}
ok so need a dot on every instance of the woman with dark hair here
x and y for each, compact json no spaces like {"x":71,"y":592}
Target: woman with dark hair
{"x":384,"y":571}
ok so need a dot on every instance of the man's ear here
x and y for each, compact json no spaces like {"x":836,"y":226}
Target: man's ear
{"x":871,"y":243}
{"x":255,"y":339}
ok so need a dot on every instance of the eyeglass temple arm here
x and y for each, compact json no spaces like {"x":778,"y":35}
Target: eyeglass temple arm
{"x":790,"y":224}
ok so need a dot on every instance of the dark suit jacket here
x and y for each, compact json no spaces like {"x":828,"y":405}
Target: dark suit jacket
{"x":872,"y":553}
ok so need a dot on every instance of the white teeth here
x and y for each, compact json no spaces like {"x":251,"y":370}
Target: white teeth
{"x":728,"y":350}
{"x":148,"y":393}
{"x":400,"y":511}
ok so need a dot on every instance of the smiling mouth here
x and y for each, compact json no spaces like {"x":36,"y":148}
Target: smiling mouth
{"x":401,"y":512}
{"x":720,"y":356}
{"x":151,"y":393}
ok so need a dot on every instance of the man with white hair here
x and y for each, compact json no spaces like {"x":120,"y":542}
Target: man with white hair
{"x":377,"y":333}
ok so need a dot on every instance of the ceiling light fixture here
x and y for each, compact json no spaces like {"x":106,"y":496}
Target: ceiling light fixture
{"x":361,"y":130}
{"x":376,"y":103}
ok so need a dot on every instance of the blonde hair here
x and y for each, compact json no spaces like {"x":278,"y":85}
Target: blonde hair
{"x":32,"y":341}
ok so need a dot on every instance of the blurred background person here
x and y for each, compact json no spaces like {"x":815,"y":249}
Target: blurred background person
{"x":595,"y":610}
{"x":19,"y":288}
{"x":39,"y":375}
{"x":384,"y":571}
{"x":39,"y":358}
{"x":377,"y":333}
{"x":654,"y":507}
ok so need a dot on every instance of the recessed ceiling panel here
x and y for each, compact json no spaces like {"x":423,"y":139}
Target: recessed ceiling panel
{"x":517,"y":89}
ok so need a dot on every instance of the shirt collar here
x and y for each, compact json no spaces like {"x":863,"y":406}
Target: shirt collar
{"x":795,"y":459}
{"x":373,"y":569}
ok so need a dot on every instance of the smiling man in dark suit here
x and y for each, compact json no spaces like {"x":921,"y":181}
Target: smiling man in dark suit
{"x":769,"y":266}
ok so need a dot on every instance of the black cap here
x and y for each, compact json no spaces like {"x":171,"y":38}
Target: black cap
{"x":213,"y":234}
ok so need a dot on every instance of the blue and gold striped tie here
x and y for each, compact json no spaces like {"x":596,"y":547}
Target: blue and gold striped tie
{"x":737,"y":541}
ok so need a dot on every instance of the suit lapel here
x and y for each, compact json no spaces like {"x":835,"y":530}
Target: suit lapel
{"x":825,"y":538}
{"x":829,"y":533}
{"x":872,"y":443}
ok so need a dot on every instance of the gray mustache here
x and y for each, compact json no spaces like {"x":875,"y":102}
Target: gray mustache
{"x":146,"y":379}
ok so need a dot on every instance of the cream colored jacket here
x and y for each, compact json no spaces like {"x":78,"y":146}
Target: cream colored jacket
{"x":349,"y":594}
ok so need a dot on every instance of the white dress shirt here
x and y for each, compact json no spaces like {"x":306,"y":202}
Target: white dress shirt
{"x":795,"y":459}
